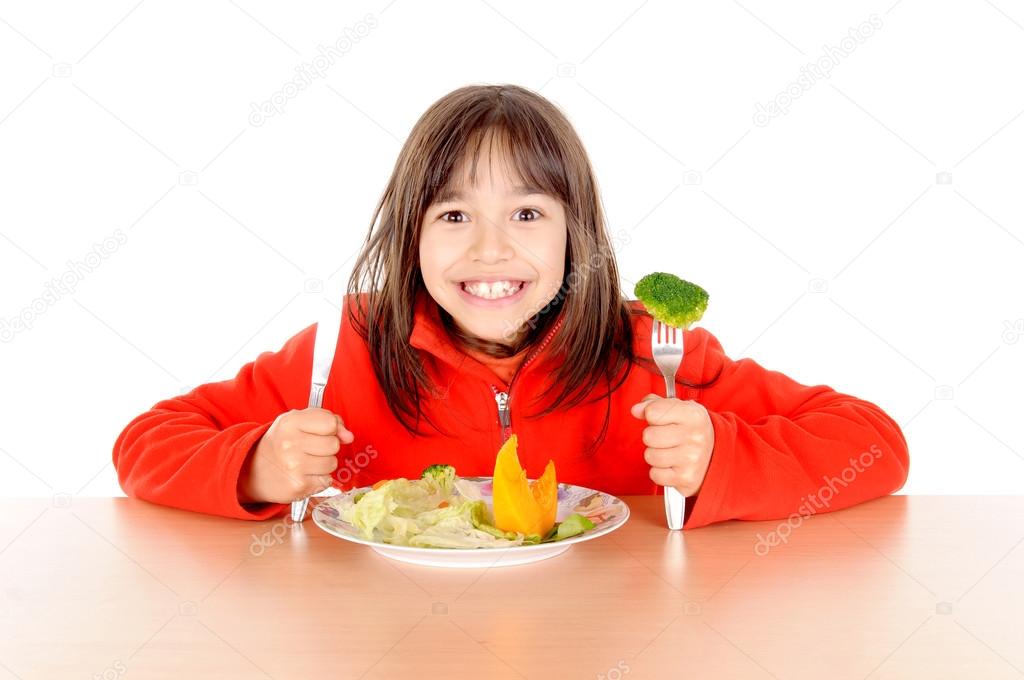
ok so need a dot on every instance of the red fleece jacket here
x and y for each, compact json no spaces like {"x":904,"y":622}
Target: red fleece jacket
{"x":780,"y":447}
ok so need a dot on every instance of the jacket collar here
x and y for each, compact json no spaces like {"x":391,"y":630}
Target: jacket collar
{"x":429,"y":334}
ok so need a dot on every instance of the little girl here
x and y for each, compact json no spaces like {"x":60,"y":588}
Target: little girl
{"x":486,"y":301}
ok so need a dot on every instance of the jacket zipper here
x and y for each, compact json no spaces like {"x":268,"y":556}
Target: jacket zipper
{"x":502,"y":399}
{"x":504,"y":417}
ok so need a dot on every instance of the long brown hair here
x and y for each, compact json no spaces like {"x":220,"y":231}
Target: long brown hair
{"x":595,"y":338}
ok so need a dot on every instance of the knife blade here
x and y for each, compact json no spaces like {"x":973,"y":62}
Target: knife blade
{"x":324,"y":343}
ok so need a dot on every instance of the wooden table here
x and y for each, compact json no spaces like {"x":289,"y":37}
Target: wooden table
{"x":902,"y":587}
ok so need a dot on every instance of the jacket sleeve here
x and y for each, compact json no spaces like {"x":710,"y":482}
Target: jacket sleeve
{"x":782,"y":448}
{"x":187,"y":451}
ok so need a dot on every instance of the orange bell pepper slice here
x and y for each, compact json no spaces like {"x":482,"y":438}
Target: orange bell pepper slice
{"x":521,"y":505}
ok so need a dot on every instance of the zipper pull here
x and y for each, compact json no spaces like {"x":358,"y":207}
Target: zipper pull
{"x":504,"y":417}
{"x":503,"y":414}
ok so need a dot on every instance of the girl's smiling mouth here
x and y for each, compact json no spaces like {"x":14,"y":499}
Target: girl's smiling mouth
{"x":492,"y":292}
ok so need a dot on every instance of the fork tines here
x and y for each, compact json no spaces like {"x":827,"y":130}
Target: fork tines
{"x":663,"y":334}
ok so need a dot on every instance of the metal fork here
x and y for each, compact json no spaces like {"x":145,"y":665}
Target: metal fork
{"x":667,"y":350}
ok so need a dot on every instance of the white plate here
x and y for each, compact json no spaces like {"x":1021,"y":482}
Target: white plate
{"x":607,"y":513}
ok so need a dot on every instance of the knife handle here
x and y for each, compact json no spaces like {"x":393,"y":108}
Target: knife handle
{"x":299,"y":509}
{"x":316,"y":400}
{"x":316,"y":394}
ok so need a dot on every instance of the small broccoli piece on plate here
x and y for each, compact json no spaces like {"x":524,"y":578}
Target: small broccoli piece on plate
{"x":671,"y":300}
{"x":442,"y":476}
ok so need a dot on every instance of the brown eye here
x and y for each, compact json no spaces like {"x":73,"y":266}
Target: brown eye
{"x":444,"y":216}
{"x":535,"y":214}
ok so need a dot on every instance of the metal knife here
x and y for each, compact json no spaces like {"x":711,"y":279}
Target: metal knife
{"x":323,"y":356}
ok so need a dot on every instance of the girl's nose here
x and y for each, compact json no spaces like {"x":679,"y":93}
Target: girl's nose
{"x":491,"y":243}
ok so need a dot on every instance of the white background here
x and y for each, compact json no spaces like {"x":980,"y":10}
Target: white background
{"x":831,"y":247}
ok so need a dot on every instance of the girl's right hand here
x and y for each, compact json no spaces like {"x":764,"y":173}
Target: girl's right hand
{"x":294,"y":458}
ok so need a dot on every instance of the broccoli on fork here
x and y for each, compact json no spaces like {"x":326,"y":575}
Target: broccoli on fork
{"x":671,"y":300}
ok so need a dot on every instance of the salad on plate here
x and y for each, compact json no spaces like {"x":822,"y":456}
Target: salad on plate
{"x":442,"y":510}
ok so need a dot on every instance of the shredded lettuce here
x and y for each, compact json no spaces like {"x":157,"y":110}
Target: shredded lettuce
{"x":573,"y":525}
{"x":386,"y":509}
{"x":408,"y":512}
{"x":468,"y":489}
{"x":465,"y":524}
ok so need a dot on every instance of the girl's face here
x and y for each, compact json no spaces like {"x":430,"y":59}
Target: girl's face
{"x":493,"y":254}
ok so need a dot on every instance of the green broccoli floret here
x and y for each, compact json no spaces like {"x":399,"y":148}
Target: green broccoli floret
{"x":443,"y":476}
{"x":671,"y":300}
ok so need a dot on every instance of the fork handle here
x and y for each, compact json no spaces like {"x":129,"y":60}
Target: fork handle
{"x":675,"y":502}
{"x":675,"y":508}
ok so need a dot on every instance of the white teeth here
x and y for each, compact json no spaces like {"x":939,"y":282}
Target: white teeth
{"x":492,"y":290}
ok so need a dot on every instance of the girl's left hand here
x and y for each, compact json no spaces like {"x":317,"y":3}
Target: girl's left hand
{"x":679,"y":438}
